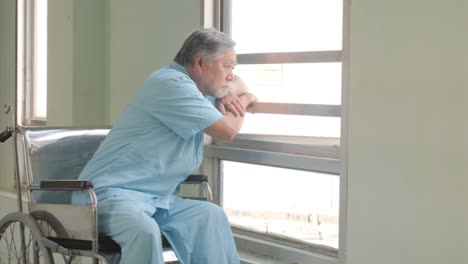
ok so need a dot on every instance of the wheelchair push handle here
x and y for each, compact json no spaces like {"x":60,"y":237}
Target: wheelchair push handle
{"x":8,"y":131}
{"x":6,"y":134}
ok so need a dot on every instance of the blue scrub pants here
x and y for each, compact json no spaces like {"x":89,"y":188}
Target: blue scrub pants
{"x":198,"y":231}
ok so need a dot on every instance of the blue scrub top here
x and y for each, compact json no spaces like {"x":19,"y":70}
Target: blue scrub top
{"x":156,"y":142}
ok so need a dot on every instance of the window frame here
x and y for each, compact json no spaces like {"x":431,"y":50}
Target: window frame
{"x":26,"y":58}
{"x":257,"y":149}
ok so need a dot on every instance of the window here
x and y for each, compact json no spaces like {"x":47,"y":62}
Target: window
{"x":280,"y":180}
{"x":32,"y":60}
{"x":39,"y":92}
{"x":308,"y":214}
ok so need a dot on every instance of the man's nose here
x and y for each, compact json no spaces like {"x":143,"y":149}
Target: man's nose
{"x":229,"y":77}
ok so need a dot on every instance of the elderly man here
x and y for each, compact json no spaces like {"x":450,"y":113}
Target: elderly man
{"x":157,"y":142}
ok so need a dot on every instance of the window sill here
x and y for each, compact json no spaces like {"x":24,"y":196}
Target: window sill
{"x":35,"y":122}
{"x":308,"y":146}
{"x":248,"y":257}
{"x":256,"y":251}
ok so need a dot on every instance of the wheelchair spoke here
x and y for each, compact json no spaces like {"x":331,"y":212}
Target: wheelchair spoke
{"x":20,"y":241}
{"x":7,"y":237}
{"x":12,"y":243}
{"x":46,"y":228}
{"x":27,"y":246}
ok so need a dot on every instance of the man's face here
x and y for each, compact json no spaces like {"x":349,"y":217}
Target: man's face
{"x":217,"y":75}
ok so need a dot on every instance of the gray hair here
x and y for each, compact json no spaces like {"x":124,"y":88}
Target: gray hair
{"x":209,"y":43}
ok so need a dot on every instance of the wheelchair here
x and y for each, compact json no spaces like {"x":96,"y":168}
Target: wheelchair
{"x":53,"y":230}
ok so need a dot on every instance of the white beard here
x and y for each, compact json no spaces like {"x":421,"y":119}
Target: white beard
{"x":221,"y":93}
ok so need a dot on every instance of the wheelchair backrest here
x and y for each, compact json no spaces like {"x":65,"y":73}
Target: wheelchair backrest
{"x":57,"y":154}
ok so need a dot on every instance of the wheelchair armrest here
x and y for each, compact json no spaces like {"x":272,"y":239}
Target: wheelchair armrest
{"x":66,"y":185}
{"x":84,"y":185}
{"x":202,"y":182}
{"x":196,"y":178}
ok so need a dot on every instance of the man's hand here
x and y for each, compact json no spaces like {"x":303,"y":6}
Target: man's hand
{"x":232,"y":103}
{"x":229,"y":125}
{"x":233,"y":107}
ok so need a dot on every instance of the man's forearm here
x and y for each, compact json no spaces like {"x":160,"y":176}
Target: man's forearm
{"x":229,"y":125}
{"x":235,"y":122}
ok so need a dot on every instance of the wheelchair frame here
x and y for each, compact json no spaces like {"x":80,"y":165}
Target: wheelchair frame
{"x":48,"y":236}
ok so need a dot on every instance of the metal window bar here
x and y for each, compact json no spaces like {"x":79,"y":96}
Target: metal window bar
{"x":296,"y":109}
{"x":290,"y":57}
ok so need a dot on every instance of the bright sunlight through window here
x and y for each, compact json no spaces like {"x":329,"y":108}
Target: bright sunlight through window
{"x":39,"y":93}
{"x":286,"y":203}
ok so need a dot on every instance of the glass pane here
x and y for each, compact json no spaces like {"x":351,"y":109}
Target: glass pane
{"x":40,"y":63}
{"x":300,"y":83}
{"x":290,"y":203}
{"x":287,"y":25}
{"x":291,"y":125}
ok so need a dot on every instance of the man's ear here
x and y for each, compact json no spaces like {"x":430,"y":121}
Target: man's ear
{"x":198,"y":62}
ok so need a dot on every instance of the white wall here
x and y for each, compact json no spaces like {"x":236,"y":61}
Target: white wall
{"x":143,"y":38}
{"x":60,"y":63}
{"x":7,"y":87}
{"x":89,"y":61}
{"x":408,"y":97}
{"x":76,"y":63}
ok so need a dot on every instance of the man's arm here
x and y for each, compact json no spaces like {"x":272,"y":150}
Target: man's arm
{"x":233,"y":106}
{"x":229,"y":125}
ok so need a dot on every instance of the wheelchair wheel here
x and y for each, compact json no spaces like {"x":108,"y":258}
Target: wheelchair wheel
{"x":49,"y":224}
{"x":15,"y":249}
{"x":52,"y":227}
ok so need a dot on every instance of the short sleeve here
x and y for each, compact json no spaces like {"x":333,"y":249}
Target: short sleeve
{"x":179,"y":105}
